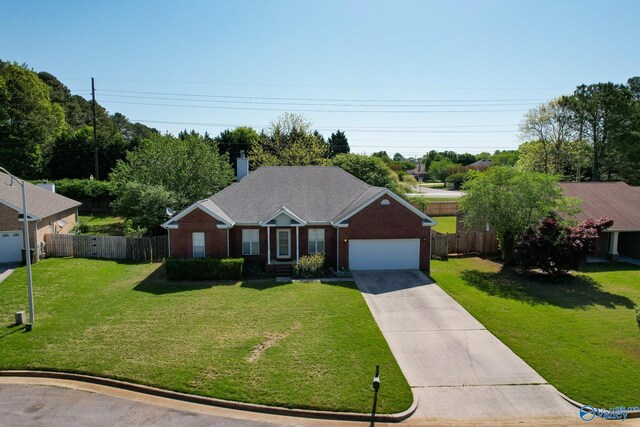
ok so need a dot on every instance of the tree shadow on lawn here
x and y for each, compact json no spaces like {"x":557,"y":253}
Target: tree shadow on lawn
{"x":576,"y":291}
{"x":157,"y":283}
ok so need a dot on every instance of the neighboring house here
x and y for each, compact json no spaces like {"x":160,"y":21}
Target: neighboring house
{"x":480,"y":165}
{"x":419,"y":173}
{"x":275,"y":215}
{"x":615,"y":200}
{"x":48,"y":212}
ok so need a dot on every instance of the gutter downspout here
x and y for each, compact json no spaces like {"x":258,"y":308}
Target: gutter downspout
{"x":297,"y":245}
{"x":35,"y":238}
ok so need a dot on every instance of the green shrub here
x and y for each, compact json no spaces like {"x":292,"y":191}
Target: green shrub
{"x":80,"y":228}
{"x":204,"y":268}
{"x":457,"y":179}
{"x":422,"y":203}
{"x":638,"y":314}
{"x":310,"y":266}
{"x":84,"y":189}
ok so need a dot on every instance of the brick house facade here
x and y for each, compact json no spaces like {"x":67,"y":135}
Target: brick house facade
{"x":384,"y":227}
{"x":49,"y":213}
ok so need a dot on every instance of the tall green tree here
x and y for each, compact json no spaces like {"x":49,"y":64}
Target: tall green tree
{"x":601,"y":114}
{"x":382,"y":155}
{"x":548,"y":124}
{"x":440,"y":169}
{"x":504,"y":158}
{"x":370,"y":169}
{"x":289,"y":141}
{"x":338,"y":143}
{"x":30,"y":121}
{"x":510,"y":201}
{"x":189,"y":168}
{"x":232,"y":142}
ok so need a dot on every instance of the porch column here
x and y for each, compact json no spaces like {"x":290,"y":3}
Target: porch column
{"x":228,"y":253}
{"x":613,"y":246}
{"x":337,"y":249}
{"x":297,"y":245}
{"x":268,"y":245}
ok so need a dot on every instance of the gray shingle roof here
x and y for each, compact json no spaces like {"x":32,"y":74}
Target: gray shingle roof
{"x":40,"y":202}
{"x":615,"y":200}
{"x":314,"y":193}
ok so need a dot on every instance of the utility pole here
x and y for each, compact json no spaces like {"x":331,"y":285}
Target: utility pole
{"x":95,"y":135}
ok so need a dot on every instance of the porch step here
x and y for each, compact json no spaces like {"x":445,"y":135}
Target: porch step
{"x":283,"y":270}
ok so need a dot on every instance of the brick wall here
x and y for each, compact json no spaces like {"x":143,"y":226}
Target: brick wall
{"x":235,"y":239}
{"x":394,"y":221}
{"x":48,"y":225}
{"x":215,"y":239}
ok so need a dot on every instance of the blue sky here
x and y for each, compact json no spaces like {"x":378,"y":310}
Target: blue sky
{"x":399,"y":76}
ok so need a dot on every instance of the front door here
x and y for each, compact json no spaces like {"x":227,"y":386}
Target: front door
{"x":283,"y":243}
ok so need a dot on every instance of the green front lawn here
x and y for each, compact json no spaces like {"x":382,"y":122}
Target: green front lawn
{"x":446,"y":224}
{"x":103,"y":224}
{"x":303,"y":345}
{"x":581,"y":336}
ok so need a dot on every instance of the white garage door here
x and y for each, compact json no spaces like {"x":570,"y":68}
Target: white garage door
{"x":384,"y":254}
{"x":10,"y":246}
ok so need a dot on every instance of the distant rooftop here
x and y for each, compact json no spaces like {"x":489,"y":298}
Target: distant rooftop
{"x":616,"y":200}
{"x":40,"y":202}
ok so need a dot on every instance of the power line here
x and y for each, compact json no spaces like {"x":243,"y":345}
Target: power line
{"x":306,"y":104}
{"x":264,"y":84}
{"x":319,"y":99}
{"x":310,"y":110}
{"x":346,"y":127}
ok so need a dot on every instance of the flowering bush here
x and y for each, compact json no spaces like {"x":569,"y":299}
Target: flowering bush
{"x":555,"y":248}
{"x":310,"y":266}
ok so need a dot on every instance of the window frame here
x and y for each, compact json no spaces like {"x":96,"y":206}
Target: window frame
{"x":247,"y":237}
{"x":316,"y":240}
{"x":193,"y":244}
{"x":288,"y":254}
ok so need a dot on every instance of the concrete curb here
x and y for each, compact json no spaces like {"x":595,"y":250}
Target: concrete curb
{"x":630,"y":414}
{"x":203,"y":400}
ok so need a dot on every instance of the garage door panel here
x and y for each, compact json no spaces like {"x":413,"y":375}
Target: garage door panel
{"x":10,"y":246}
{"x":384,"y":254}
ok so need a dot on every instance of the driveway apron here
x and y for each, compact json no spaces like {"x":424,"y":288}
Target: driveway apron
{"x":6,"y":269}
{"x":457,"y":369}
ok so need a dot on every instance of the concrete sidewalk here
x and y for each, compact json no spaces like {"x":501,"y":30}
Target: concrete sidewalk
{"x":458,"y":370}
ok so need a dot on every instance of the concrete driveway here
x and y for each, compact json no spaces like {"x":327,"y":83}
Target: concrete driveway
{"x":6,"y":269}
{"x":458,"y":370}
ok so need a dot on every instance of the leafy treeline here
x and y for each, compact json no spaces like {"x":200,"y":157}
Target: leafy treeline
{"x":46,"y":132}
{"x":593,"y":134}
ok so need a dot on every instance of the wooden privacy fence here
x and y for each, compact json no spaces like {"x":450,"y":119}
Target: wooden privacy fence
{"x":107,"y":247}
{"x":442,"y":209}
{"x":480,"y":242}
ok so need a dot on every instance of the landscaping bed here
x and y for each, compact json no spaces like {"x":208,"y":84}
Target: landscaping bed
{"x":581,"y":336}
{"x":297,"y":345}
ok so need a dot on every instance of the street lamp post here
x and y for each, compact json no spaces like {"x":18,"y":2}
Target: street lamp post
{"x":27,"y":244}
